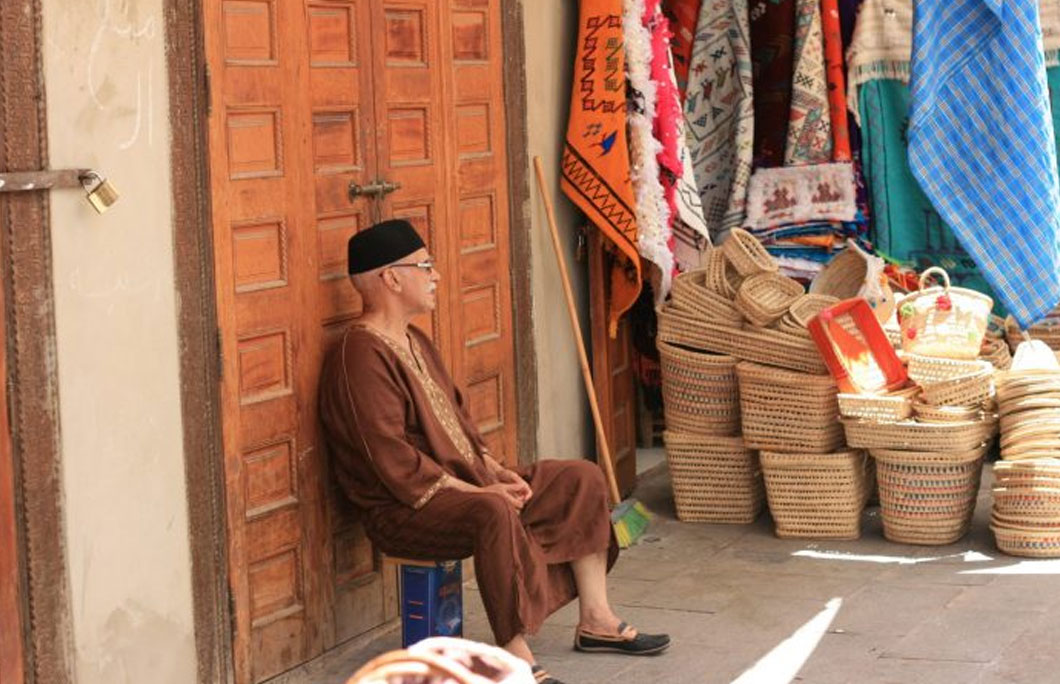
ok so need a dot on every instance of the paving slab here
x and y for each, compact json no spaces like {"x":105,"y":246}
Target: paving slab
{"x":732,"y":595}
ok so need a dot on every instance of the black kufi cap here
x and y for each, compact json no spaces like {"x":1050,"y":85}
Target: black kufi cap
{"x":382,"y":244}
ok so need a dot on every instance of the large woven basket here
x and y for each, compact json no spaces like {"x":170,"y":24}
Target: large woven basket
{"x":926,"y":369}
{"x":968,"y":389}
{"x":691,"y":296}
{"x":715,"y":479}
{"x":1028,"y":543}
{"x":914,"y":436}
{"x":760,"y":345}
{"x":927,"y":497}
{"x":817,"y":496}
{"x":746,"y":253}
{"x":699,"y":391}
{"x":765,"y":297}
{"x":786,"y":411}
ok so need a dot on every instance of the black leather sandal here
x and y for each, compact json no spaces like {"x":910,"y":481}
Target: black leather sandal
{"x":541,"y":676}
{"x":642,"y":644}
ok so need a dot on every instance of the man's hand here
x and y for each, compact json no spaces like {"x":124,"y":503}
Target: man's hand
{"x":510,"y":477}
{"x":514,"y":494}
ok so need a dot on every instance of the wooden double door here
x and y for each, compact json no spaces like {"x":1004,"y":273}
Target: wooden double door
{"x":309,"y":98}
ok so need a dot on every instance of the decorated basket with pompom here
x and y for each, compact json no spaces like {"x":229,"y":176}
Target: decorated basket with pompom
{"x":947,"y":322}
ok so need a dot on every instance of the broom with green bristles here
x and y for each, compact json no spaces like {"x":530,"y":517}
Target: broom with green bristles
{"x":629,"y":518}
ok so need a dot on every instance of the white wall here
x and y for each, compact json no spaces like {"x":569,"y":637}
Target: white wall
{"x":564,"y":427}
{"x":123,"y":463}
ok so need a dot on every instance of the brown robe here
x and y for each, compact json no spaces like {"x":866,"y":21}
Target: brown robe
{"x":397,"y":429}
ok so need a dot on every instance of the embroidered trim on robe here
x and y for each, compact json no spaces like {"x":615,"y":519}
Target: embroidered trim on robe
{"x":441,"y":405}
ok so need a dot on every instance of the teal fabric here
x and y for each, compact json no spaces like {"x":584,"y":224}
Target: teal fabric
{"x":905,"y":227}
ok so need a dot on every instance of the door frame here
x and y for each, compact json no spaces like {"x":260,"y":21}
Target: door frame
{"x":198,"y":323}
{"x":39,"y":554}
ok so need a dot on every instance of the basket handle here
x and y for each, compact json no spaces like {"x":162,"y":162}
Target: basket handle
{"x":938,"y":271}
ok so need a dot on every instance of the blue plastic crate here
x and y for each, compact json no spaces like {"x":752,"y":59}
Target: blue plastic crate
{"x":432,"y":601}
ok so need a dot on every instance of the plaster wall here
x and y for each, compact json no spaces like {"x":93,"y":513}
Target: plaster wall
{"x":123,"y":466}
{"x":564,"y":422}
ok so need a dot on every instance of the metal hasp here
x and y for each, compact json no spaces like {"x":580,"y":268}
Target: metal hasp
{"x":29,"y":181}
{"x":99,"y":191}
{"x":377,"y":188}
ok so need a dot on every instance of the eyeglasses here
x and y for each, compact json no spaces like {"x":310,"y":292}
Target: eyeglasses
{"x":427,"y":265}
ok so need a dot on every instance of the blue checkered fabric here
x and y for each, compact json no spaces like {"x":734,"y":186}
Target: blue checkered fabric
{"x":981,"y":142}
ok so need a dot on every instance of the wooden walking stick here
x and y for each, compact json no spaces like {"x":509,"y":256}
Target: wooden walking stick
{"x":629,"y":518}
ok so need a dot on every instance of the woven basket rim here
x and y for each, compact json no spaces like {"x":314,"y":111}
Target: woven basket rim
{"x":757,"y":371}
{"x":903,"y":457}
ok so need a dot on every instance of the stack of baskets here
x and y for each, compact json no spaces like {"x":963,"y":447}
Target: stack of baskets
{"x":816,"y":488}
{"x":928,"y":464}
{"x":929,"y":440}
{"x":739,"y":306}
{"x":1026,"y":516}
{"x":715,"y":477}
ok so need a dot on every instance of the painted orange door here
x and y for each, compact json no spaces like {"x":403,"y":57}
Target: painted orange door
{"x":309,"y":98}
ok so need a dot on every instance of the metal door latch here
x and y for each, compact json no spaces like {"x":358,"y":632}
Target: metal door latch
{"x":377,"y":188}
{"x":99,"y":191}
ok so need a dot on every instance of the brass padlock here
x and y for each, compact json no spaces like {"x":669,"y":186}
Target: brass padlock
{"x":101,"y":193}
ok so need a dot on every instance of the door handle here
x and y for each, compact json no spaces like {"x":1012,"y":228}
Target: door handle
{"x":377,"y":188}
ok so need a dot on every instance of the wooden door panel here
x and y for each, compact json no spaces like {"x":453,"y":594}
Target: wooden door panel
{"x":612,"y":370}
{"x":344,"y":151}
{"x":479,"y":251}
{"x":265,"y":264}
{"x":310,"y":97}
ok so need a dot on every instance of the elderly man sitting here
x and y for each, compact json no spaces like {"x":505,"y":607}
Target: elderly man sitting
{"x":408,"y":455}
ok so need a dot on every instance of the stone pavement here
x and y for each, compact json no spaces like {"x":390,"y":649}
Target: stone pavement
{"x":745,"y":606}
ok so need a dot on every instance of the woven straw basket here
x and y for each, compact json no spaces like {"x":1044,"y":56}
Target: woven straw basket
{"x":944,"y":321}
{"x":760,"y":345}
{"x":746,"y":253}
{"x":929,"y":413}
{"x":968,"y":389}
{"x":699,"y":391}
{"x":1028,"y":543}
{"x":765,"y":297}
{"x":691,"y":295}
{"x":890,"y":407}
{"x":817,"y":496}
{"x":914,"y":436}
{"x":927,"y":497}
{"x":923,"y":369}
{"x":715,"y":479}
{"x":721,"y":276}
{"x":786,"y":411}
{"x":807,"y":306}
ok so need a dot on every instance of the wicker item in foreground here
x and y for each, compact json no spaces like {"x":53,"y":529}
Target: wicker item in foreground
{"x":760,"y":345}
{"x":786,"y":411}
{"x":817,"y":496}
{"x":914,"y":436}
{"x":927,"y":497}
{"x":765,"y":297}
{"x":746,"y":253}
{"x":699,"y":391}
{"x":715,"y":479}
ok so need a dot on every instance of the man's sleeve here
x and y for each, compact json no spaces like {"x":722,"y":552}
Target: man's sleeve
{"x":378,"y":406}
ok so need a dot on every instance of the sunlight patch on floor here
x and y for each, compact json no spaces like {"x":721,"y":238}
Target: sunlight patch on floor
{"x":968,"y":556}
{"x":780,"y":665}
{"x":1027,"y":567}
